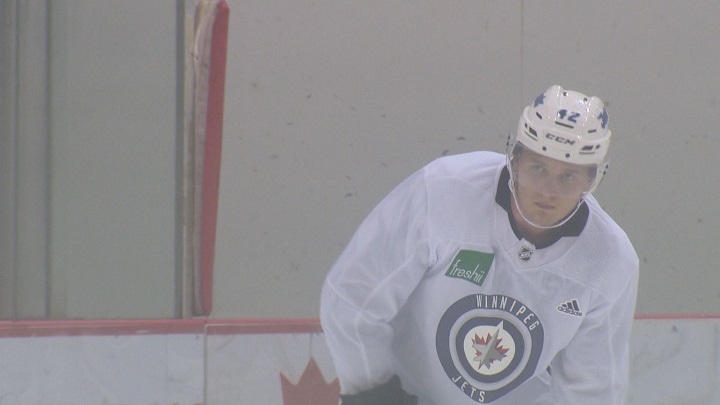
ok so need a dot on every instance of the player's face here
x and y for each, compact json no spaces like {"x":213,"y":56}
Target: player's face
{"x":548,"y":190}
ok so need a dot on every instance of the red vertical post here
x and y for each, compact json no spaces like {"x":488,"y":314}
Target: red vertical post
{"x":213,"y":146}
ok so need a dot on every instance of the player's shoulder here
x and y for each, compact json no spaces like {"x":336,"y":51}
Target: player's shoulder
{"x":471,"y":166}
{"x":606,"y":245}
{"x":606,"y":231}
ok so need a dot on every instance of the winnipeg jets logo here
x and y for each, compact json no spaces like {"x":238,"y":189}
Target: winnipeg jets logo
{"x":488,"y":345}
{"x":490,"y":350}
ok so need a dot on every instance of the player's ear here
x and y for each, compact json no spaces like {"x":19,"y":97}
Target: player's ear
{"x":592,"y":174}
{"x":515,"y":161}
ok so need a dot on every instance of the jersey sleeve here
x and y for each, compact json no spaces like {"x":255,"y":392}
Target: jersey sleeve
{"x":371,"y":281}
{"x":593,"y":368}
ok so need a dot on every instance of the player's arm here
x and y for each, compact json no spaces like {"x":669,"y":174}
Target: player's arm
{"x":370,"y":283}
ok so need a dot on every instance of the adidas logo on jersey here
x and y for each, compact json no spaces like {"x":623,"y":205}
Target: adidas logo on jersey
{"x":571,"y":307}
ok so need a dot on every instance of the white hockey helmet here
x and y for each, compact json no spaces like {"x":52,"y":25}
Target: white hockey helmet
{"x":567,"y":126}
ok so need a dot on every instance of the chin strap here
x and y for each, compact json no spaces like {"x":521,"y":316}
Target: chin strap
{"x":511,"y":185}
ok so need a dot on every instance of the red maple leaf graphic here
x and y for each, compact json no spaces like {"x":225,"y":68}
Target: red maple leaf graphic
{"x":311,"y":389}
{"x":485,"y":340}
{"x":488,"y":350}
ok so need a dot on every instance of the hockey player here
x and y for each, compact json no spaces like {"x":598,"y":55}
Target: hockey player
{"x":485,"y":278}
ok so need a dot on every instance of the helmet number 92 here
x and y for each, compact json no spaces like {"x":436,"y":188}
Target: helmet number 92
{"x":568,"y":115}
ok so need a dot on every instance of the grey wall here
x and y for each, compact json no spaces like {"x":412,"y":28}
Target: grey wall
{"x":113,"y":99}
{"x":330,"y":104}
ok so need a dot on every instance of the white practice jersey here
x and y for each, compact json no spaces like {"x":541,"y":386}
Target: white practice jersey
{"x":437,"y":287}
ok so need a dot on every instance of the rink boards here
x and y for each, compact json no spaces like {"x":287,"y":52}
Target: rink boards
{"x":284,"y":362}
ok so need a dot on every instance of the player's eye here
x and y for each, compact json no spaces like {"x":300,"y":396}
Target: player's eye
{"x":538,"y":169}
{"x":567,"y":177}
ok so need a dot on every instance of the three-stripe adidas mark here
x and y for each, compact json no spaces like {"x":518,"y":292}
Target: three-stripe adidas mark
{"x":571,"y":307}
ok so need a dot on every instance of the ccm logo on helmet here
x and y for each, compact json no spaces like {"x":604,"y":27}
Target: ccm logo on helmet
{"x":560,"y":139}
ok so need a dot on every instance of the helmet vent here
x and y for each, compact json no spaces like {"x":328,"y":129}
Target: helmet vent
{"x":532,"y":132}
{"x":589,"y":149}
{"x":538,"y":115}
{"x":564,"y":125}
